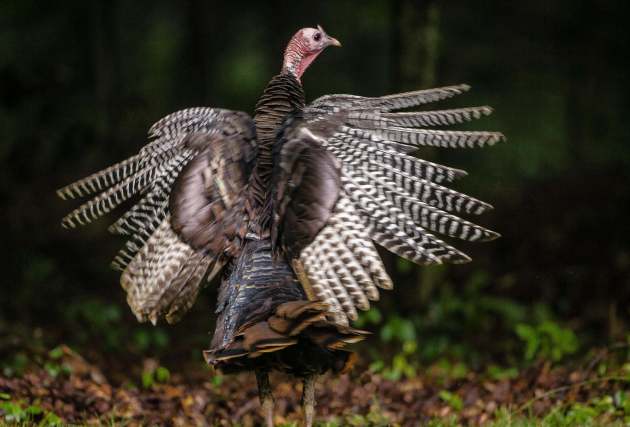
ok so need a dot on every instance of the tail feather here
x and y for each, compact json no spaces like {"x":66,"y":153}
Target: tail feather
{"x":289,"y":323}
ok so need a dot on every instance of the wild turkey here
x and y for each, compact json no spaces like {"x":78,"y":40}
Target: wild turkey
{"x":288,"y":205}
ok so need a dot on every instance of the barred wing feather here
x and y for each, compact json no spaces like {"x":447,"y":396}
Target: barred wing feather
{"x":382,"y":193}
{"x":190,"y":217}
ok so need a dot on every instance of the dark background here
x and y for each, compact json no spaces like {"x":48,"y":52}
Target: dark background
{"x":81,"y":81}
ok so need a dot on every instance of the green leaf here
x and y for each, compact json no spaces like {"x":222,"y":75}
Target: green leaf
{"x":452,"y":400}
{"x":160,"y":338}
{"x":580,"y":414}
{"x":141,"y":339}
{"x":51,"y":419}
{"x":162,"y":374}
{"x":410,"y":347}
{"x":498,"y":373}
{"x":373,"y":315}
{"x":392,"y":374}
{"x":387,"y":332}
{"x":531,"y":338}
{"x":53,"y":369}
{"x":377,"y":366}
{"x":217,"y":380}
{"x":147,"y":379}
{"x":33,"y":410}
{"x":56,"y":353}
{"x":407,"y":331}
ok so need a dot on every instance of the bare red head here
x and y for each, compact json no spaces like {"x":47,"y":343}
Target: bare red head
{"x":303,"y":48}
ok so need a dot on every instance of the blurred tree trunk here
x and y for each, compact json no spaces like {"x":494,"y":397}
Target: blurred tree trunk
{"x":584,"y":84}
{"x":275,"y":41}
{"x":198,"y":50}
{"x":414,"y":56}
{"x":106,"y":70}
{"x":415,"y":43}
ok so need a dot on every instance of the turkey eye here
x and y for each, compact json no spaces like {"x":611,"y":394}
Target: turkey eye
{"x":317,"y":36}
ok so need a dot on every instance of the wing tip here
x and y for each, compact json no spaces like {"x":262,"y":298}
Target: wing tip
{"x":71,"y":191}
{"x":491,"y":235}
{"x":61,"y":193}
{"x":387,"y":285}
{"x":499,"y":137}
{"x":485,"y":207}
{"x":485,"y":235}
{"x":463,"y":87}
{"x":68,"y":222}
{"x":465,"y":259}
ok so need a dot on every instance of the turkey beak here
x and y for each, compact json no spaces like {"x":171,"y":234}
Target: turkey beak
{"x":333,"y":42}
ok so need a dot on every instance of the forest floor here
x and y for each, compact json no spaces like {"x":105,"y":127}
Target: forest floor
{"x":63,"y":388}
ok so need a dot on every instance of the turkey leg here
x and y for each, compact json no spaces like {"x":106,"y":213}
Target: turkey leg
{"x":308,"y":400}
{"x":265,"y":396}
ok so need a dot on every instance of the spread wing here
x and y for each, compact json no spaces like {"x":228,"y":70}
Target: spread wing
{"x":346,"y":179}
{"x":191,"y":215}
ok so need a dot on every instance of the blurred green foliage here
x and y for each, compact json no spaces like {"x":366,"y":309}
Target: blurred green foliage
{"x":21,"y":413}
{"x":456,"y":332}
{"x":159,"y":374}
{"x":95,"y":320}
{"x":453,"y":400}
{"x":547,"y":340}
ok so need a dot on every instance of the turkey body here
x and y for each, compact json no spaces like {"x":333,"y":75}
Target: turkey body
{"x":259,"y":279}
{"x":288,"y":207}
{"x":250,"y":297}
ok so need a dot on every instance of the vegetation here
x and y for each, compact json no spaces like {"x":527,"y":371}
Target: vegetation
{"x":533,"y":332}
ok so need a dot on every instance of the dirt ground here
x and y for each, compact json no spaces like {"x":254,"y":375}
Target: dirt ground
{"x":79,"y":392}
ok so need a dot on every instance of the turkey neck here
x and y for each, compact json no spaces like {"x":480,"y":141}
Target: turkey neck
{"x":282,"y":96}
